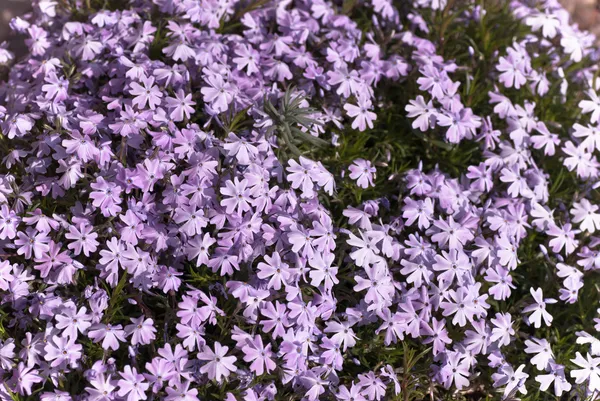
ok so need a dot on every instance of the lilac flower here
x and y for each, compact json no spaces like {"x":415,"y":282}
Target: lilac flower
{"x":24,"y":378}
{"x":63,"y":350}
{"x":31,"y":243}
{"x":556,"y":376}
{"x":103,"y":387}
{"x":259,"y":355}
{"x":219,"y":94}
{"x":109,"y":335}
{"x":84,"y":239}
{"x":146,"y":94}
{"x":275,"y":270}
{"x":455,"y":370}
{"x":133,"y":385}
{"x":503,"y":329}
{"x":181,"y":105}
{"x":72,"y":321}
{"x":363,"y":118}
{"x":363,"y":172}
{"x":219,"y":365}
{"x":141,"y":330}
{"x":513,"y":379}
{"x":424,"y":113}
{"x":538,"y":309}
{"x":588,"y":371}
{"x":543,"y":353}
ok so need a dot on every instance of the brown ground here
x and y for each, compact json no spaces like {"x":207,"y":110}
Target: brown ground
{"x":586,"y":13}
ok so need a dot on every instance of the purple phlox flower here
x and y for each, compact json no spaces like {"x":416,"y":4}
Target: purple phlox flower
{"x":218,"y":364}
{"x":103,"y":388}
{"x":363,"y":172}
{"x":219,"y":93}
{"x":556,"y":375}
{"x":133,"y":385}
{"x":314,"y":384}
{"x":514,"y":67}
{"x":564,"y":237}
{"x":160,"y":371}
{"x":393,"y":324}
{"x":198,"y":248}
{"x":32,"y":243}
{"x":191,"y":335}
{"x":24,"y":377}
{"x":586,"y":338}
{"x":147,"y":94}
{"x":424,"y":112}
{"x":590,"y":135}
{"x":84,"y":240}
{"x":56,"y":395}
{"x":240,"y":148}
{"x":56,"y":88}
{"x":460,"y":304}
{"x":478,"y":340}
{"x":181,"y":392}
{"x":585,"y":214}
{"x":5,"y":275}
{"x":72,"y":321}
{"x":418,"y":271}
{"x":589,"y":371}
{"x":348,"y":81}
{"x":581,"y":161}
{"x":168,"y":279}
{"x":504,"y":283}
{"x":514,"y":380}
{"x":453,"y":265}
{"x":543,"y":353}
{"x":343,"y":334}
{"x":546,"y":140}
{"x":379,"y":285}
{"x":81,"y":145}
{"x":433,"y":81}
{"x":259,"y":355}
{"x":111,"y":259}
{"x":63,"y":350}
{"x":362,"y":115}
{"x":546,"y":21}
{"x":323,"y":271}
{"x":303,"y":175}
{"x":181,"y":105}
{"x":106,"y":196}
{"x":450,"y":232}
{"x":9,"y":220}
{"x":275,"y":270}
{"x":420,"y":211}
{"x":502,"y":330}
{"x":247,"y":59}
{"x":437,"y":334}
{"x":352,"y":394}
{"x":236,"y":196}
{"x":455,"y":370}
{"x":109,"y":335}
{"x":538,"y":309}
{"x":591,"y":106}
{"x":191,"y":219}
{"x":372,"y":387}
{"x":277,"y":319}
{"x":365,"y":248}
{"x":141,"y":330}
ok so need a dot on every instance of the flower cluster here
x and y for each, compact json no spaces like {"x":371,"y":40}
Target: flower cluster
{"x":207,"y":199}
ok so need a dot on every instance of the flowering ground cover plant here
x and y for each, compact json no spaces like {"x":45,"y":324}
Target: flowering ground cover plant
{"x":299,"y":200}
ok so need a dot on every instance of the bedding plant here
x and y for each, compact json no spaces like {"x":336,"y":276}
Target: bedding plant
{"x":299,"y":200}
